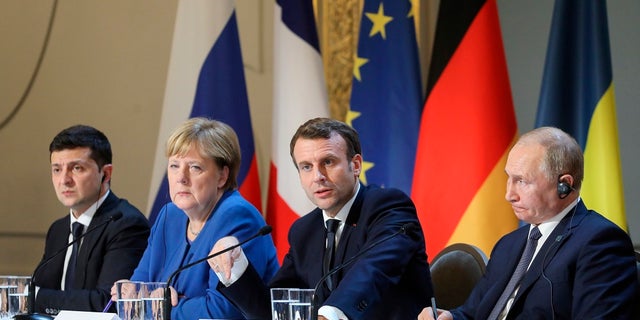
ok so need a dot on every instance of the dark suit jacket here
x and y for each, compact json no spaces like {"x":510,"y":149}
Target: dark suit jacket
{"x":586,"y":269}
{"x":107,"y":254}
{"x":392,"y":281}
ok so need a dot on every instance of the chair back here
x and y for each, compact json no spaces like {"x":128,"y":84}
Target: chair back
{"x":454,"y":273}
{"x":638,"y":264}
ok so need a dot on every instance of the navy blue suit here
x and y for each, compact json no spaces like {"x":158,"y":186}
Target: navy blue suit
{"x":107,"y":254}
{"x":586,"y":269}
{"x":392,"y":281}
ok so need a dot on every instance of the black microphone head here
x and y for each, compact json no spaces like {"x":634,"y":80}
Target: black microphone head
{"x":408,"y":227}
{"x":116,"y":216}
{"x":265,"y":230}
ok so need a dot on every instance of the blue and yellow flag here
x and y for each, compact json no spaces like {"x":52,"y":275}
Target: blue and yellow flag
{"x":386,"y":97}
{"x":577,"y":97}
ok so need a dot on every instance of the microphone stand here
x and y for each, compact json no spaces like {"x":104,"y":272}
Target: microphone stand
{"x":31,"y":298}
{"x":314,"y":299}
{"x":167,"y":292}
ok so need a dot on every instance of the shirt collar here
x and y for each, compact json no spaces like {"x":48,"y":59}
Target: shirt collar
{"x":86,"y":217}
{"x":547,"y":227}
{"x":344,"y":211}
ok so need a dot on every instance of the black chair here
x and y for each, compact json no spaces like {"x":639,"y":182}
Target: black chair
{"x":638,"y":264}
{"x":454,"y":273}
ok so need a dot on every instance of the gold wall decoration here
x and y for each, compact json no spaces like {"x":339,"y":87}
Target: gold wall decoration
{"x":338,"y":25}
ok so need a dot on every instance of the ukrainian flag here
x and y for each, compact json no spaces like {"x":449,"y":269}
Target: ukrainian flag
{"x":577,"y":97}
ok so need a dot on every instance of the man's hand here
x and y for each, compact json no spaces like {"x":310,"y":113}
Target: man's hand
{"x":427,"y":314}
{"x":223,"y":263}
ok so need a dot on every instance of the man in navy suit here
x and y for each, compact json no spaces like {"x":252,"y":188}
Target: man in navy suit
{"x":583,"y":266}
{"x":389,"y":281}
{"x":81,"y":174}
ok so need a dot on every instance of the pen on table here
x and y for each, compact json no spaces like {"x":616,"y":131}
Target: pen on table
{"x":108,"y":306}
{"x":433,"y":306}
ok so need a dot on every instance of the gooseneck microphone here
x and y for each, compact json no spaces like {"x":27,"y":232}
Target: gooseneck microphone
{"x":407,"y":227}
{"x":167,"y":293}
{"x":31,"y":298}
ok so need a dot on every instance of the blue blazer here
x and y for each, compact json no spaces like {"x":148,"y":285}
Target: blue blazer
{"x":107,"y":254}
{"x":586,"y":269}
{"x":169,"y":249}
{"x":391,"y":281}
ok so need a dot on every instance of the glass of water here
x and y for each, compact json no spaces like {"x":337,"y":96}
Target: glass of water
{"x":280,"y":301}
{"x":300,"y":306}
{"x":152,"y":294}
{"x":5,"y":288}
{"x":129,"y":302}
{"x":18,"y":294}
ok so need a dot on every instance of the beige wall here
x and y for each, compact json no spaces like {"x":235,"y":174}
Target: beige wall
{"x":105,"y":66}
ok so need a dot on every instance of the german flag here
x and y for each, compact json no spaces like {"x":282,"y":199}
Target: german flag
{"x":577,"y":97}
{"x":467,"y":127}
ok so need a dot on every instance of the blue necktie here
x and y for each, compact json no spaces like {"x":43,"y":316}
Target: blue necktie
{"x":327,"y":263}
{"x":76,"y":231}
{"x":519,"y":272}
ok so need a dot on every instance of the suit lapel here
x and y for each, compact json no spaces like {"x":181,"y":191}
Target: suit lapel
{"x":350,"y":225}
{"x":90,"y":240}
{"x":560,"y":234}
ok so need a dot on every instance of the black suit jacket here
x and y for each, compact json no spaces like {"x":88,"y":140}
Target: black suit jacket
{"x":107,"y":254}
{"x":391,"y":281}
{"x":586,"y":269}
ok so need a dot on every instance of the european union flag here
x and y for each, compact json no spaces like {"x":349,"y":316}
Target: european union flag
{"x":386,"y":97}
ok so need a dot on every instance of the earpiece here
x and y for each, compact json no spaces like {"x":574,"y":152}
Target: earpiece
{"x":564,"y":189}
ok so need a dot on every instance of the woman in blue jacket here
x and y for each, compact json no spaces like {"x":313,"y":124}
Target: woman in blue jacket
{"x":203,"y":161}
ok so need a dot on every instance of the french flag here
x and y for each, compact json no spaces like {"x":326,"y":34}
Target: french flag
{"x":299,"y":95}
{"x":206,"y":79}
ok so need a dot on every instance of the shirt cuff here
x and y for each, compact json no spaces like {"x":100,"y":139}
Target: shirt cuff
{"x":332,"y":313}
{"x":237,"y":270}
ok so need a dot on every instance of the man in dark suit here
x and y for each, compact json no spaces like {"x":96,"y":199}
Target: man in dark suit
{"x":389,"y":281}
{"x":583,"y":266}
{"x":81,"y":174}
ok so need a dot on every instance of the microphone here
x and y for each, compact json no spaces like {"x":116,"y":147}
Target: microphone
{"x":31,"y":299}
{"x":407,"y":227}
{"x":167,"y":293}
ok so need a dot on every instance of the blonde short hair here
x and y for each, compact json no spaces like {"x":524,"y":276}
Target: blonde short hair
{"x":213,"y":139}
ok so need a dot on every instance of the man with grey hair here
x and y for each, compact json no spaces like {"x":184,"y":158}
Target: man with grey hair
{"x":568,"y":262}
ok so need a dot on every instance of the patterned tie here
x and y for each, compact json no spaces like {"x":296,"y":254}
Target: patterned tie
{"x":519,"y":272}
{"x":76,"y":231}
{"x":327,"y":263}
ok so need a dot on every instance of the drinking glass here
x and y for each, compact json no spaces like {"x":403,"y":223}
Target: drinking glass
{"x":280,"y":300}
{"x":18,"y":294}
{"x":300,"y":307}
{"x":5,"y":288}
{"x":152,"y":294}
{"x":129,"y":302}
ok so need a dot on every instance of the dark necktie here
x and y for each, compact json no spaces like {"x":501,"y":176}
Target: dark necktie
{"x":327,"y":263}
{"x":76,"y":231}
{"x":519,"y":272}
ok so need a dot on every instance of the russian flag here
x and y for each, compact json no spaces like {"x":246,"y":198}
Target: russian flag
{"x":577,"y":96}
{"x":206,"y":79}
{"x":299,"y":95}
{"x":468,"y":126}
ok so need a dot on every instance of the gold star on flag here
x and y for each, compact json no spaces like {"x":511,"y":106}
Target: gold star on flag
{"x":379,"y":21}
{"x":357,"y":63}
{"x":351,"y":115}
{"x":414,"y":8}
{"x":363,"y":174}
